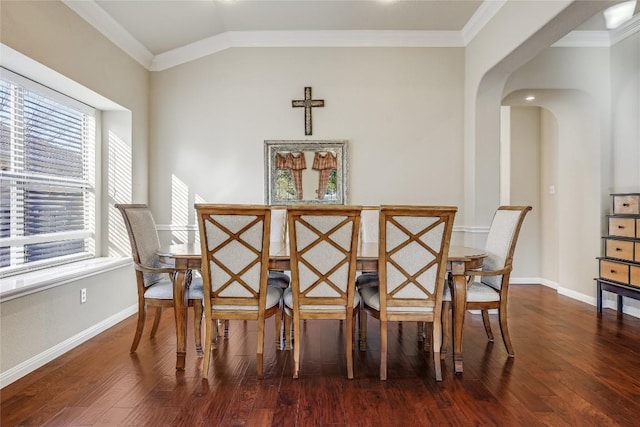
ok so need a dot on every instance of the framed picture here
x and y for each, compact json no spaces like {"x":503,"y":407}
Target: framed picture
{"x":305,"y":172}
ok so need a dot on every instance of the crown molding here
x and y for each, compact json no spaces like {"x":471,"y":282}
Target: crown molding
{"x":629,"y":28}
{"x":105,"y":24}
{"x":231,"y":39}
{"x":480,"y":18}
{"x":584,"y":39}
{"x":600,"y":38}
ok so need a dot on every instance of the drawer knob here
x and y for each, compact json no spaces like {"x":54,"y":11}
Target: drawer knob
{"x":618,"y":249}
{"x":621,"y":226}
{"x":613,"y":271}
{"x":626,"y":205}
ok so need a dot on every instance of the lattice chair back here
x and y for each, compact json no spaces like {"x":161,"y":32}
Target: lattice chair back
{"x":414,"y":245}
{"x":235,"y":261}
{"x":235,"y":255}
{"x":143,"y":237}
{"x":501,"y":241}
{"x":323,"y":247}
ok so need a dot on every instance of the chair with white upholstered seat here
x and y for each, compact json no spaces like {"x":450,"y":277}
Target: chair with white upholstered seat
{"x":412,"y":261}
{"x":235,"y":261}
{"x":323,"y":247}
{"x":369,"y":229}
{"x":279,"y":278}
{"x":155,"y":288}
{"x":492,"y":290}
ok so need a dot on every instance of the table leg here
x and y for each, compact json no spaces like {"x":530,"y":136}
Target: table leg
{"x":459,"y":300}
{"x":181,"y":281}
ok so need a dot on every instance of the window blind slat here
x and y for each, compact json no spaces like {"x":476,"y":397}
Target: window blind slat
{"x":46,"y":164}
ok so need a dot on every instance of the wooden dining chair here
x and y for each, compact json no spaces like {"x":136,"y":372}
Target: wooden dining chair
{"x":412,"y":263}
{"x":369,"y":229}
{"x":277,"y":278}
{"x":323,"y":248}
{"x":235,"y":261}
{"x":492,"y":290}
{"x":155,"y":288}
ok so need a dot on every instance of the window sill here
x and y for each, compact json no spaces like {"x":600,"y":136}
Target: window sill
{"x":36,"y":281}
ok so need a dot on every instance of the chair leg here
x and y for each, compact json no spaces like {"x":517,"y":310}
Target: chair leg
{"x":226,"y":328}
{"x":436,"y":344}
{"x":502,"y":315}
{"x":349,"y":343}
{"x":142,"y":314}
{"x":215,"y":326}
{"x":156,"y":322}
{"x":362,"y":318}
{"x":210,"y":325}
{"x":287,"y":331}
{"x":383,"y":350}
{"x":278,"y":322}
{"x":420,"y":331}
{"x":197,"y":325}
{"x":260,"y":352}
{"x":487,"y":324}
{"x":446,"y":311}
{"x":296,"y":348}
{"x":427,"y":335}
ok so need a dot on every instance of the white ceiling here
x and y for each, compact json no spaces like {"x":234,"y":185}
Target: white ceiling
{"x":164,"y":25}
{"x":163,"y":33}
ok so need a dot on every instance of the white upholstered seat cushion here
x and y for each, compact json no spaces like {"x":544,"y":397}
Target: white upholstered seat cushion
{"x":477,"y":292}
{"x":371,"y":298}
{"x":164,"y":289}
{"x":288,"y":301}
{"x":279,"y":279}
{"x":368,"y":279}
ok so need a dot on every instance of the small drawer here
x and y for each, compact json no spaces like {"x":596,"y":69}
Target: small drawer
{"x":635,"y":275}
{"x":614,"y":271}
{"x":619,"y":249}
{"x":626,"y":204}
{"x":623,"y":227}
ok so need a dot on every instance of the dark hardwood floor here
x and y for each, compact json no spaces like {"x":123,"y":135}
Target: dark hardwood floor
{"x":572,"y":368}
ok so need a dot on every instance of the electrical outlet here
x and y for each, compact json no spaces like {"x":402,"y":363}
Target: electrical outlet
{"x":83,"y":295}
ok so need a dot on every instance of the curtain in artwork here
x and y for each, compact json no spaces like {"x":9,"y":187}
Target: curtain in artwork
{"x":296,"y":163}
{"x":324,"y":162}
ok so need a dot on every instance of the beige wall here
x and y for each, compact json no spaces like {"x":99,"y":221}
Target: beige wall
{"x":54,"y":36}
{"x":549,"y":166}
{"x":400,"y":109}
{"x":625,"y":113}
{"x":526,"y":186}
{"x":573,"y":84}
{"x":589,"y":141}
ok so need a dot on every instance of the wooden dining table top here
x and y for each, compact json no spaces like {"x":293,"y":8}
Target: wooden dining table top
{"x":279,"y":259}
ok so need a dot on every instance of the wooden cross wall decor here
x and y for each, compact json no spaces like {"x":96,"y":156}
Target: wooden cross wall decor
{"x":308,"y":103}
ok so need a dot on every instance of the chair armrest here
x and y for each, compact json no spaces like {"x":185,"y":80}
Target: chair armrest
{"x":488,"y":272}
{"x":146,"y":269}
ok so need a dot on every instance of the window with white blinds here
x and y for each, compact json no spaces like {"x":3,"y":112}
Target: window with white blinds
{"x":47,"y":176}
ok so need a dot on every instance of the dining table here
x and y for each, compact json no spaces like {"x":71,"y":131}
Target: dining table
{"x":187,"y":257}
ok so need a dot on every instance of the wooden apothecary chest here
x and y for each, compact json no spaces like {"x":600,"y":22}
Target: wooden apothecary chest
{"x":620,"y":265}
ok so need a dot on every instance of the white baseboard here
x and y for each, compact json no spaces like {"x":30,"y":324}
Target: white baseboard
{"x":607,"y":302}
{"x":30,"y":365}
